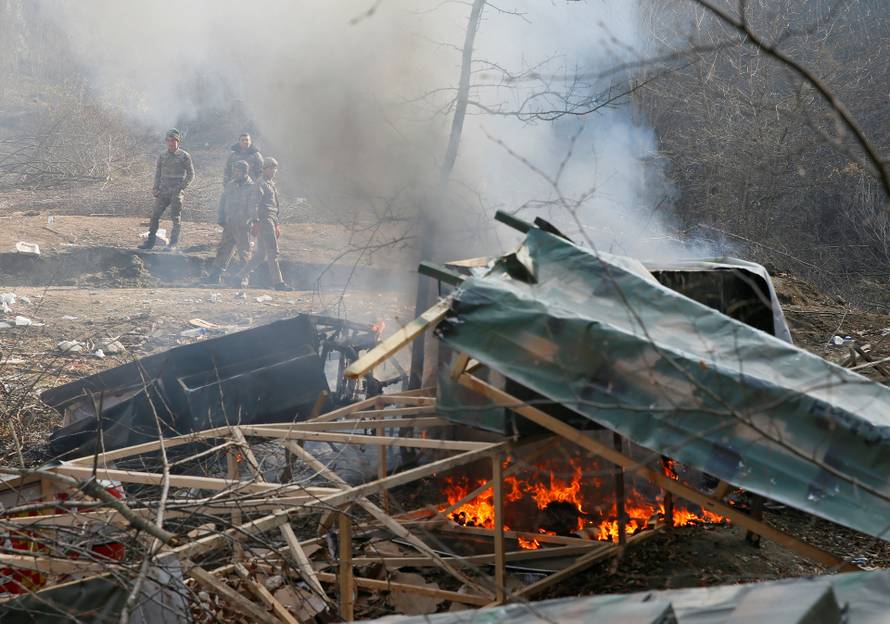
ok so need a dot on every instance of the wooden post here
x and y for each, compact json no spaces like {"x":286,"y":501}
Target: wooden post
{"x":620,"y":510}
{"x":497,"y":479}
{"x":234,"y":474}
{"x":346,"y":582}
{"x":668,"y":496}
{"x":383,"y":468}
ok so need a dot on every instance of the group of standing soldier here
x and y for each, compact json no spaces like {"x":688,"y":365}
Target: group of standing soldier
{"x":249,"y":206}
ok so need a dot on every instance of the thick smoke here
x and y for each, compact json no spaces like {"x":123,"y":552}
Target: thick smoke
{"x":357,"y":106}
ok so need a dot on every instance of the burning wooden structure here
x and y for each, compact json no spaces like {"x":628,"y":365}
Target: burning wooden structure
{"x":553,"y":347}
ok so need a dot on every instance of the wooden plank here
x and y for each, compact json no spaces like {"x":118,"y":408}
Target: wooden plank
{"x":512,"y":556}
{"x":581,"y":563}
{"x":302,"y":561}
{"x":497,"y":479}
{"x":619,"y":494}
{"x":234,"y":473}
{"x":236,"y":600}
{"x":346,"y":585}
{"x":148,"y":447}
{"x":407,"y":588}
{"x":360,"y":425}
{"x":53,"y":565}
{"x":390,"y":346}
{"x":265,"y":596}
{"x":357,"y":438}
{"x":459,"y":365}
{"x":188,"y":481}
{"x":344,"y":411}
{"x":544,"y":539}
{"x":676,"y":487}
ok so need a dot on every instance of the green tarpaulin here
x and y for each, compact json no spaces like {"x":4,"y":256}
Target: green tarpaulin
{"x":598,"y":335}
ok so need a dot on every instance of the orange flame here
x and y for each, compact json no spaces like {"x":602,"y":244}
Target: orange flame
{"x":640,"y":511}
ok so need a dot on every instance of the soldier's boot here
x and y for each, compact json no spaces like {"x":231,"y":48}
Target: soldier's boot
{"x":174,"y":238}
{"x":149,"y":242}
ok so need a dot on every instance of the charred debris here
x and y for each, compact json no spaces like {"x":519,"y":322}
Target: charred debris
{"x":575,"y":404}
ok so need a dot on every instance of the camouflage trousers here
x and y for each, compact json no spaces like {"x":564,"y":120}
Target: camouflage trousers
{"x":266,"y":251}
{"x":173,"y":200}
{"x":235,"y":236}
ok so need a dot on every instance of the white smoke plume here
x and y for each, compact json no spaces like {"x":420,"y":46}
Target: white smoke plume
{"x":357,"y":106}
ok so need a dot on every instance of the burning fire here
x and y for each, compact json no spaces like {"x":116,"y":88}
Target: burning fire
{"x":564,"y":499}
{"x":378,"y":328}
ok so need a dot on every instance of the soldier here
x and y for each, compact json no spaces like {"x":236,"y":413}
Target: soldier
{"x":267,"y":228}
{"x":173,"y":175}
{"x":244,"y":150}
{"x":237,"y":210}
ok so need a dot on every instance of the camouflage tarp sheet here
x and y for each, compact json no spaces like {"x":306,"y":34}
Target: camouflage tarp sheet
{"x":680,"y":378}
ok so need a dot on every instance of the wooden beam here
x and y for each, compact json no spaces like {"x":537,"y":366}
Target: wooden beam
{"x":239,"y":602}
{"x":544,"y":539}
{"x":187,"y":481}
{"x":390,"y":346}
{"x":581,"y":563}
{"x":304,"y":566}
{"x":407,"y":588}
{"x":631,"y":465}
{"x":360,"y":425}
{"x":515,"y":555}
{"x":103,"y":459}
{"x":346,"y":585}
{"x":54,"y":565}
{"x":357,"y":438}
{"x":497,"y":479}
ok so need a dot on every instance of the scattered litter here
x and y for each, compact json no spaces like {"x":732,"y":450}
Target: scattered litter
{"x":70,"y":346}
{"x":49,"y":220}
{"x":25,"y":300}
{"x":215,"y":298}
{"x":69,"y":318}
{"x":5,"y":324}
{"x":838,"y":341}
{"x":241,"y":295}
{"x":7,"y":298}
{"x":23,"y":321}
{"x":30,"y":249}
{"x":196,"y":322}
{"x":263,"y":298}
{"x":99,"y":353}
{"x":5,"y":307}
{"x":113,"y":348}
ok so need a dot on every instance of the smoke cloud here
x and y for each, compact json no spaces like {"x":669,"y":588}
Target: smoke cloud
{"x":358,"y":106}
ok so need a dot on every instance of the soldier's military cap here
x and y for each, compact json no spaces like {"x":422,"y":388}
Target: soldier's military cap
{"x":174,"y":133}
{"x":269,"y":162}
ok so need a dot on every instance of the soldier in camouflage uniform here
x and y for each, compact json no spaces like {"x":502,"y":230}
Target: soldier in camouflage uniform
{"x":237,"y":210}
{"x":173,"y":175}
{"x":267,"y":228}
{"x":246,"y":151}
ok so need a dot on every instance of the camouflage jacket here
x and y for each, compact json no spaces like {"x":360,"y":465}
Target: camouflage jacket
{"x":174,"y":171}
{"x":238,"y":202}
{"x":251,"y":156}
{"x":267,"y":199}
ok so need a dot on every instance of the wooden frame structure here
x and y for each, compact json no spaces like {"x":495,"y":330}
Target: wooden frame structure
{"x":462,"y":371}
{"x":246,"y":505}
